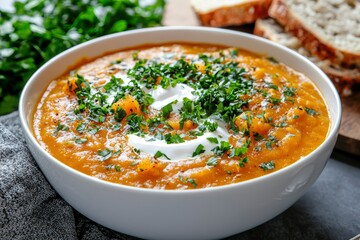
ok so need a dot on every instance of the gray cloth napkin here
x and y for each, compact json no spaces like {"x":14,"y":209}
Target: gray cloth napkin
{"x":31,"y":209}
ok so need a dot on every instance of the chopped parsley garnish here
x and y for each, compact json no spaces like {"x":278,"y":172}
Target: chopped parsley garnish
{"x":273,"y":86}
{"x":274,"y":100}
{"x":116,"y":127}
{"x":199,"y":150}
{"x":120,"y":114}
{"x":258,"y":136}
{"x":222,"y":148}
{"x":191,"y":181}
{"x":289,"y":91}
{"x":262,"y":116}
{"x":212,"y":161}
{"x":248,"y":117}
{"x":188,"y":180}
{"x":173,"y":138}
{"x":94,"y":130}
{"x":311,"y":111}
{"x":234,"y":52}
{"x":211,"y":126}
{"x":243,"y":161}
{"x":113,"y":83}
{"x":166,"y":110}
{"x":267,"y":165}
{"x":117,"y":152}
{"x":282,"y":124}
{"x":213,"y":140}
{"x":81,"y":140}
{"x":238,"y":151}
{"x":105,"y":154}
{"x":135,"y":123}
{"x":112,"y":166}
{"x":159,"y":154}
{"x":270,"y":142}
{"x":60,"y":127}
{"x":81,"y":127}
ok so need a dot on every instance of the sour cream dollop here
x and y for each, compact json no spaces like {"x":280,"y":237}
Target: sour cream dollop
{"x":163,"y":96}
{"x":178,"y":151}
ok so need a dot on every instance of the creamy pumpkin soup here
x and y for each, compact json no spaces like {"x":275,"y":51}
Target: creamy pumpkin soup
{"x":180,"y":116}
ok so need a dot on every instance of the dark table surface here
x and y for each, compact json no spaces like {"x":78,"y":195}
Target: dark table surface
{"x":329,"y":210}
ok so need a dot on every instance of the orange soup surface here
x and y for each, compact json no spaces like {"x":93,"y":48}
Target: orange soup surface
{"x":180,"y":116}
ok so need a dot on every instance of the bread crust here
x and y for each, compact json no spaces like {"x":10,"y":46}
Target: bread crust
{"x":235,"y":15}
{"x":319,"y":47}
{"x":343,"y":78}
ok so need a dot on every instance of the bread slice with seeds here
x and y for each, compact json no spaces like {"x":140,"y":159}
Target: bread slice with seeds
{"x":329,"y":29}
{"x":343,"y":78}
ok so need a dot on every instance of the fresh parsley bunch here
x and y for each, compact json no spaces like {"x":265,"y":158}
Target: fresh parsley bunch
{"x":37,"y":30}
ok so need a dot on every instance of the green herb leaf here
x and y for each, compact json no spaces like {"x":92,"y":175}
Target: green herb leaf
{"x":159,"y":154}
{"x":311,"y":112}
{"x":274,"y":101}
{"x":173,"y":138}
{"x":117,"y":168}
{"x":166,"y":110}
{"x":235,"y":152}
{"x":258,"y":136}
{"x":81,"y":140}
{"x":213,"y":140}
{"x":289,"y":91}
{"x":116,"y":127}
{"x":211,"y":126}
{"x":113,"y":83}
{"x":192,"y":182}
{"x":212,"y":161}
{"x":105,"y":154}
{"x":234,"y":52}
{"x":94,"y":130}
{"x":270,"y":142}
{"x":81,"y":127}
{"x":267,"y":165}
{"x":199,"y":150}
{"x":60,"y":127}
{"x":220,"y":150}
{"x":120,"y":113}
{"x":135,"y":123}
{"x":273,"y":86}
{"x":243,"y":161}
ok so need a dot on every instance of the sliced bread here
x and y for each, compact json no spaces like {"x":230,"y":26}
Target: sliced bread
{"x":220,"y":13}
{"x":343,"y":77}
{"x":329,"y":29}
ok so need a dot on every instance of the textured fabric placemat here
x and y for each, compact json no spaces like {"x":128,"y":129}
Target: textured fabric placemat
{"x":31,"y":209}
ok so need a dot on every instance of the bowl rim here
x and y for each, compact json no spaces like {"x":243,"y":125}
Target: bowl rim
{"x":333,"y":128}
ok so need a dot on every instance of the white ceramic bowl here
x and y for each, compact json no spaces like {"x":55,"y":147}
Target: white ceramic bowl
{"x":180,"y":214}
